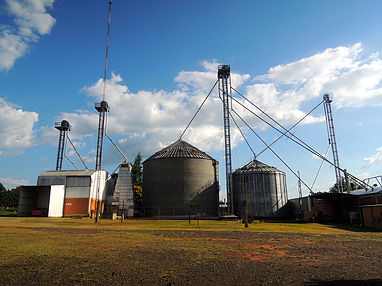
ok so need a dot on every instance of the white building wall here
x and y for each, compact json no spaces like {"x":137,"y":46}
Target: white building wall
{"x":93,"y":185}
{"x":56,"y":201}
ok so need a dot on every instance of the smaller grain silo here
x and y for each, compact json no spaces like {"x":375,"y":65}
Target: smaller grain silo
{"x":180,"y":180}
{"x":263,"y":187}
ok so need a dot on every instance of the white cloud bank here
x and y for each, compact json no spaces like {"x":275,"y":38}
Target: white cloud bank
{"x":31,"y":21}
{"x":16,"y":128}
{"x":149,"y":120}
{"x":10,"y":183}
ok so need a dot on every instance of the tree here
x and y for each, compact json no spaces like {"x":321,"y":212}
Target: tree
{"x":353,"y":186}
{"x":138,"y":197}
{"x":136,"y":171}
{"x":9,"y":198}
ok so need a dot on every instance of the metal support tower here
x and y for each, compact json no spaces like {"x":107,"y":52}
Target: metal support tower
{"x":102,"y":108}
{"x":224,"y":78}
{"x":64,"y":127}
{"x":332,"y":139}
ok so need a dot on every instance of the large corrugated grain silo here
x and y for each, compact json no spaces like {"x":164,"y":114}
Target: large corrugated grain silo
{"x":180,"y":180}
{"x":263,"y":187}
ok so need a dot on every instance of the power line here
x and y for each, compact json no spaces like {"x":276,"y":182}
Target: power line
{"x":200,"y":107}
{"x":270,"y":148}
{"x":299,"y":141}
{"x":241,"y":132}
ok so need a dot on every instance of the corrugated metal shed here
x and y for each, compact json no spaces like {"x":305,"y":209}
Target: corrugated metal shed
{"x":180,"y":149}
{"x":256,"y":166}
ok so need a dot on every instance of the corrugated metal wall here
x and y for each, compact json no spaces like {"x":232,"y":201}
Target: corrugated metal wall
{"x":27,"y":202}
{"x":265,"y":192}
{"x":177,"y":186}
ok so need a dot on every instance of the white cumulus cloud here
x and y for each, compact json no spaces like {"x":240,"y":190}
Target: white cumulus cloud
{"x":31,"y":20}
{"x":16,"y":127}
{"x":149,"y":120}
{"x":376,"y":158}
{"x":10,"y":183}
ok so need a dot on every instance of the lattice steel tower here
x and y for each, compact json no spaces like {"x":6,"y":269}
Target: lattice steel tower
{"x":64,"y":127}
{"x":102,"y":108}
{"x":332,"y":139}
{"x":224,"y":77}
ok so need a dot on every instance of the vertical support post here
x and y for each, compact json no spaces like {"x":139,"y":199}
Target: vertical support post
{"x":225,"y":93}
{"x":348,"y":186}
{"x":332,"y":140}
{"x":246,"y":203}
{"x":299,"y":193}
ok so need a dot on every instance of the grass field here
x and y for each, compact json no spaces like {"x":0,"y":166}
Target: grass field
{"x":10,"y":212}
{"x":46,"y":251}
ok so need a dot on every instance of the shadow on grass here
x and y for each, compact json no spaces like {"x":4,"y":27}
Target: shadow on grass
{"x":371,"y":282}
{"x":354,"y":228}
{"x":343,"y":226}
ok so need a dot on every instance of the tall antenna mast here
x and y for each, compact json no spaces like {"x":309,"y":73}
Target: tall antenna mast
{"x":224,"y":78}
{"x":332,"y":140}
{"x":102,"y":108}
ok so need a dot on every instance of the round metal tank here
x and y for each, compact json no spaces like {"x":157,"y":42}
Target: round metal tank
{"x":180,"y":180}
{"x":263,"y":187}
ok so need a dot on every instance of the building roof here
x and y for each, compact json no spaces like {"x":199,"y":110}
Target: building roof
{"x":180,"y":149}
{"x":72,"y":173}
{"x":256,"y":167}
{"x":375,"y":205}
{"x":363,"y":192}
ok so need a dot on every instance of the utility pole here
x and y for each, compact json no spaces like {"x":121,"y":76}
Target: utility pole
{"x":332,"y":140}
{"x":224,"y":78}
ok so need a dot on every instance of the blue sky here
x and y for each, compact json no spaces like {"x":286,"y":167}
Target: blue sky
{"x":163,"y":59}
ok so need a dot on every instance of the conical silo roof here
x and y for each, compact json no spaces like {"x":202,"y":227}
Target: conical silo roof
{"x":180,"y":149}
{"x":256,"y":167}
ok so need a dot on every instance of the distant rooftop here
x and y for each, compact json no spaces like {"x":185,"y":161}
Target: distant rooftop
{"x":362,"y":192}
{"x":180,"y":149}
{"x":68,"y":173}
{"x":256,"y":166}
